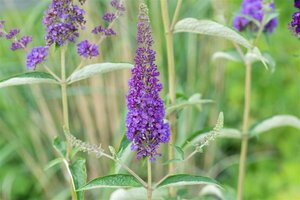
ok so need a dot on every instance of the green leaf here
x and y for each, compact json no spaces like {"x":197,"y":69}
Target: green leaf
{"x":60,"y":146}
{"x":255,"y":55}
{"x":124,"y":153}
{"x":275,"y":122}
{"x":208,"y":27}
{"x":78,"y":171}
{"x":138,"y":194}
{"x":113,"y":181}
{"x":194,"y":100}
{"x":178,"y":152}
{"x":186,"y":179}
{"x":54,"y":162}
{"x":94,"y":69}
{"x":123,"y":145}
{"x":229,"y":55}
{"x":28,"y":78}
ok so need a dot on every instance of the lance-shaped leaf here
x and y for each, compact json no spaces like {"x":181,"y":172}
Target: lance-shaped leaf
{"x":113,"y":181}
{"x":94,"y":69}
{"x":255,"y":55}
{"x":79,"y":175}
{"x":124,"y":153}
{"x":28,"y":78}
{"x":186,"y":179}
{"x":208,"y":27}
{"x":275,"y":122}
{"x":229,"y":55}
{"x":194,"y":100}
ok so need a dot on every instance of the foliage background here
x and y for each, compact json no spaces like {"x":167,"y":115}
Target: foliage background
{"x":30,"y":116}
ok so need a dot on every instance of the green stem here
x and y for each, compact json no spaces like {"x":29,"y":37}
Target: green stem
{"x":244,"y":145}
{"x":246,"y":116}
{"x":66,"y":115}
{"x":149,"y":188}
{"x":171,"y":74}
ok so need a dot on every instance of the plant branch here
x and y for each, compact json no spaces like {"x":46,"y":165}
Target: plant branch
{"x":149,"y":188}
{"x":175,"y":17}
{"x":171,"y":74}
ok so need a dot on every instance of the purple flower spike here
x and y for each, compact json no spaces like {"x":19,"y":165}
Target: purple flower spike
{"x":87,"y":50}
{"x":145,"y":118}
{"x":36,"y":56}
{"x":297,"y":4}
{"x":12,"y":33}
{"x":254,"y":9}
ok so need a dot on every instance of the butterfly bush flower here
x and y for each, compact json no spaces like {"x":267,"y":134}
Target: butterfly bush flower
{"x":145,"y":118}
{"x":21,"y":43}
{"x":297,"y":4}
{"x":254,"y":9}
{"x":36,"y":56}
{"x":295,"y":23}
{"x":110,"y":17}
{"x":2,"y":22}
{"x":87,"y":50}
{"x":12,"y":33}
{"x":63,"y":19}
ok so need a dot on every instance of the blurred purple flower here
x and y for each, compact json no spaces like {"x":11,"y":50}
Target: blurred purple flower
{"x":87,"y":50}
{"x":36,"y":56}
{"x":22,"y":43}
{"x":295,"y":23}
{"x":297,"y":4}
{"x":109,"y":17}
{"x":12,"y":33}
{"x":117,"y":5}
{"x":254,"y":9}
{"x":105,"y":31}
{"x":145,"y":118}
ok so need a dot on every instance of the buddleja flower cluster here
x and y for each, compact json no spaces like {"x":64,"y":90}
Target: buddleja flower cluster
{"x":145,"y":118}
{"x":12,"y":35}
{"x":255,"y":9}
{"x":295,"y":23}
{"x":63,"y":20}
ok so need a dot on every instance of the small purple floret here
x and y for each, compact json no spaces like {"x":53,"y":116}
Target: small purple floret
{"x":12,"y":33}
{"x":297,"y":4}
{"x":109,"y":17}
{"x":295,"y":23}
{"x":22,"y":43}
{"x":254,"y":9}
{"x":87,"y":49}
{"x":117,"y":5}
{"x":105,"y":31}
{"x":145,"y":118}
{"x":36,"y":56}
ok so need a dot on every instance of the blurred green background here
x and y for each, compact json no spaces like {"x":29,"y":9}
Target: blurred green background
{"x":30,"y":116}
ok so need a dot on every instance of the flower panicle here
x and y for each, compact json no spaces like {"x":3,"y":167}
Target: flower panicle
{"x":145,"y":123}
{"x":212,"y":134}
{"x":84,"y":146}
{"x":110,"y":17}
